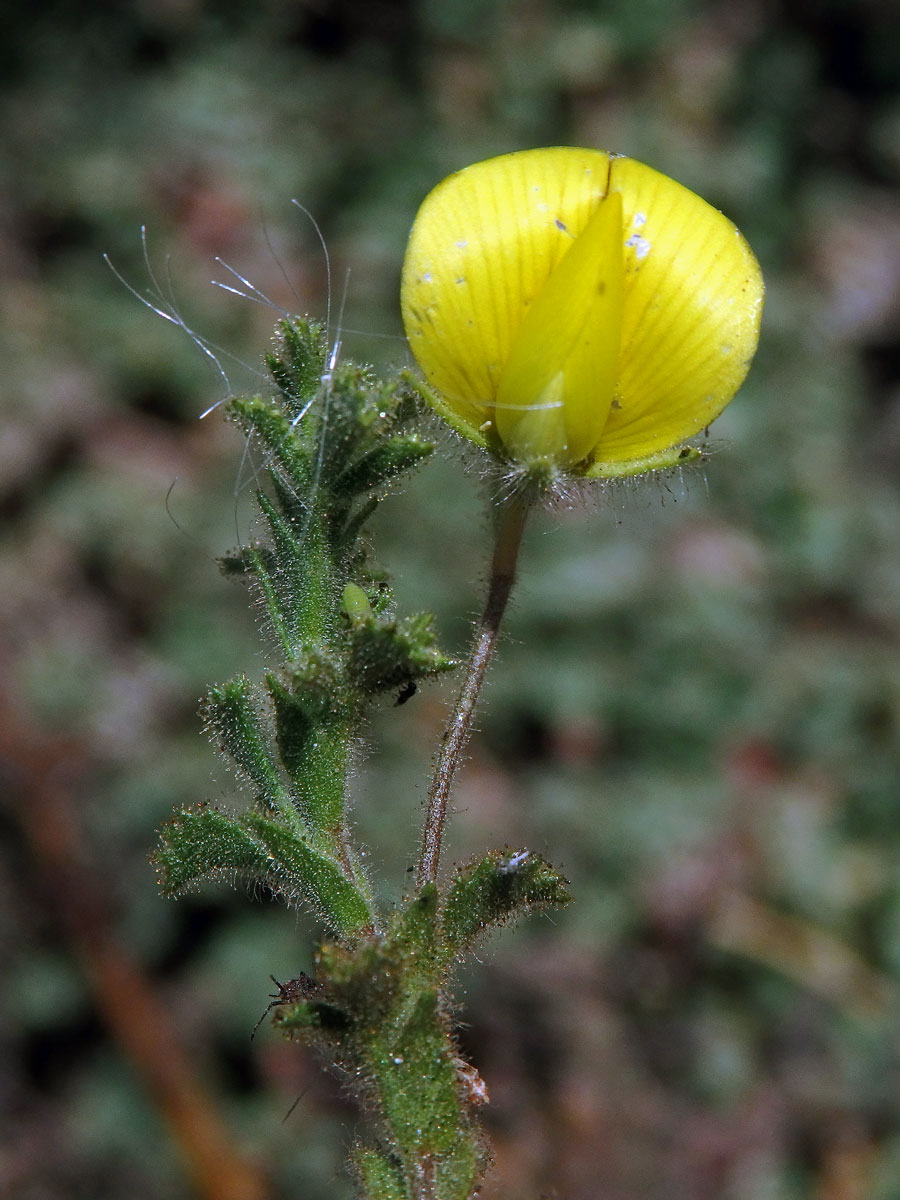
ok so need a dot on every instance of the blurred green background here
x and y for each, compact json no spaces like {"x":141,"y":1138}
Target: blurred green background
{"x":696,"y":712}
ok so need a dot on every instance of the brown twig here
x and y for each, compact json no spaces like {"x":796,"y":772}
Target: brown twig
{"x":44,"y":774}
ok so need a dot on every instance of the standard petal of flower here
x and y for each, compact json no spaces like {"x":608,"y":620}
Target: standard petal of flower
{"x":557,"y":386}
{"x":693,"y":302}
{"x":482,"y":246}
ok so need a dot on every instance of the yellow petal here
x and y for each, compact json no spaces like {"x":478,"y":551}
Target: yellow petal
{"x":693,"y":302}
{"x":482,"y":246}
{"x":557,"y":385}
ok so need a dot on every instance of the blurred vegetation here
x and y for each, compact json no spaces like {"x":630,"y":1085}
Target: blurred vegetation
{"x":696,"y":712}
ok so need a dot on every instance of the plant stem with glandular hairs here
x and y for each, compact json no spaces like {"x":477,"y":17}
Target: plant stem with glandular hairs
{"x":510,"y":526}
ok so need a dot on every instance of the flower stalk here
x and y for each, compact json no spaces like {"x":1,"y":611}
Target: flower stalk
{"x":511,"y":518}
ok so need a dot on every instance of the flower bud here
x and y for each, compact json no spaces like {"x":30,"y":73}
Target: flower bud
{"x":578,"y":311}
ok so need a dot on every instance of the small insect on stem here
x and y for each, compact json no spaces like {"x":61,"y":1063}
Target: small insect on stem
{"x":291,"y":992}
{"x":511,"y":864}
{"x":407,"y":692}
{"x":473,"y":1086}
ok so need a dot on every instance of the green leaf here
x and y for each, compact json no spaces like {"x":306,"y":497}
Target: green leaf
{"x":313,"y":874}
{"x":312,"y":1020}
{"x":384,"y":654}
{"x":261,"y":564}
{"x":232,"y":716}
{"x":298,"y":362}
{"x":203,"y":843}
{"x":364,"y":981}
{"x":380,"y":1175}
{"x":244,"y":561}
{"x":495,"y":890}
{"x":313,"y":719}
{"x":462,"y":1166}
{"x":303,"y":699}
{"x":386,"y":460}
{"x":301,"y":581}
{"x":355,"y":521}
{"x":286,"y":451}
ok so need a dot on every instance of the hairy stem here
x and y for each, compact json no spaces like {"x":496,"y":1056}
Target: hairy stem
{"x":428,"y":1183}
{"x":510,"y":526}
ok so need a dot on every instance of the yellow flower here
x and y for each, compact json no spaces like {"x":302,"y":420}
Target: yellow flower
{"x":576,"y":309}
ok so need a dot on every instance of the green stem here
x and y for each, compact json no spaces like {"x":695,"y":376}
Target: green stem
{"x":317,"y":609}
{"x":320,"y":778}
{"x":510,"y":526}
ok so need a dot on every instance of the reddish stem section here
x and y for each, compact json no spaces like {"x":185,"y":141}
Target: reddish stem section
{"x":47,"y":772}
{"x":510,"y":526}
